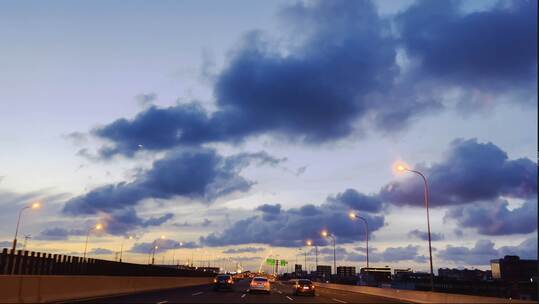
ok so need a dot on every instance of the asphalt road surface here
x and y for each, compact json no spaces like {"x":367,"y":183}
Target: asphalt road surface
{"x":281,"y":292}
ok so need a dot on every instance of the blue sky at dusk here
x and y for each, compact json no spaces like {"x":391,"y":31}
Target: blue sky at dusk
{"x":244,"y":128}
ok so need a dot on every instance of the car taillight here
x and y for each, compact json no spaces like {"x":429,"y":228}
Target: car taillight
{"x":214,"y":280}
{"x":229,"y":281}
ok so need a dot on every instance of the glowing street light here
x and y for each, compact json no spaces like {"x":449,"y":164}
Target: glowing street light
{"x":402,"y":168}
{"x":156,"y":247}
{"x":326,"y":234}
{"x":34,"y":205}
{"x":310,"y":243}
{"x":122,"y":246}
{"x":97,"y":227}
{"x":355,"y":216}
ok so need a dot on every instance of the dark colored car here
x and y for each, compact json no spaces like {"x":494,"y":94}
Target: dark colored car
{"x":304,"y":287}
{"x":223,"y":281}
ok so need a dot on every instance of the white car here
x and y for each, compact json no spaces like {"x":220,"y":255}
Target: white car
{"x":259,"y":284}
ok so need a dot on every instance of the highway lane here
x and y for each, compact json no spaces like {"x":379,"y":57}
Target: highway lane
{"x":281,"y":292}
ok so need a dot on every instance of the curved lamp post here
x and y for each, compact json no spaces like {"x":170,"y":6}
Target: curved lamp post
{"x":402,"y":168}
{"x":97,"y":227}
{"x":355,"y":216}
{"x":35,"y":205}
{"x":325,"y":233}
{"x":154,"y":247}
{"x":122,"y":247}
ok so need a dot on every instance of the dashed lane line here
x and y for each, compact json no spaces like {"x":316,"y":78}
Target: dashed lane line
{"x":289,"y":298}
{"x":162,"y":302}
{"x":197,"y":293}
{"x":280,"y":292}
{"x":340,"y":301}
{"x":243,"y":295}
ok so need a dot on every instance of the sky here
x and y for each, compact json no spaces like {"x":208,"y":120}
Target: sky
{"x":240,"y":130}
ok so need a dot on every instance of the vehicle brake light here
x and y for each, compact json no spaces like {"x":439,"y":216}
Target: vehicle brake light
{"x":229,"y":281}
{"x":214,"y":280}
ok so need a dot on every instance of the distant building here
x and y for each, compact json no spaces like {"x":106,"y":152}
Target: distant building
{"x":512,"y":269}
{"x":297,"y":268}
{"x":346,"y":271}
{"x":465,"y":274}
{"x":323,"y":271}
{"x":375,"y":276}
{"x":397,"y":272}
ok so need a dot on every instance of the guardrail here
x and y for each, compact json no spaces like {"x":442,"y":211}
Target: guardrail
{"x":38,"y":263}
{"x":414,"y":296}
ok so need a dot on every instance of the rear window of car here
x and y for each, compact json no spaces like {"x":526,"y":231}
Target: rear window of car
{"x":260,"y":279}
{"x":223,"y":277}
{"x":304,"y":281}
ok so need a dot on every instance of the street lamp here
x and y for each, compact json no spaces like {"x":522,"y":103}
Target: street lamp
{"x":402,"y":168}
{"x":310,"y":243}
{"x":35,"y":205}
{"x":174,"y":252}
{"x":96,"y":227}
{"x":122,"y":247}
{"x":325,"y":233}
{"x":156,"y":247}
{"x":355,"y":216}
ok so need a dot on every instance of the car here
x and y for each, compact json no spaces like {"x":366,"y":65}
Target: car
{"x":223,"y":281}
{"x":259,"y":284}
{"x":304,"y":287}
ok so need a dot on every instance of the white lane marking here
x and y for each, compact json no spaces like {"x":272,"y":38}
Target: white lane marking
{"x":162,"y":302}
{"x":289,"y":298}
{"x":280,"y":292}
{"x":337,"y":300}
{"x":197,"y":293}
{"x":243,"y":295}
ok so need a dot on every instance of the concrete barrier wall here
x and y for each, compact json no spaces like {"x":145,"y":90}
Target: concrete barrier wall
{"x":413,"y":296}
{"x":50,"y":288}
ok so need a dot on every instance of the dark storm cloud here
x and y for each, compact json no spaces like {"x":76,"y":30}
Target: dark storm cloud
{"x":483,"y":251}
{"x":292,"y":227}
{"x":244,"y":250}
{"x":492,"y":49}
{"x":469,"y":172}
{"x":495,"y":218}
{"x":357,"y":201}
{"x":422,"y":235}
{"x":200,"y":174}
{"x":315,"y":92}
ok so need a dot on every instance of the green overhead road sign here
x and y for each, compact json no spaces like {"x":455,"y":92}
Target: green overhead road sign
{"x":283,"y":263}
{"x":270,"y":261}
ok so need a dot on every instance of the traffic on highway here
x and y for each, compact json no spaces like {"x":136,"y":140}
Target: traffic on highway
{"x":253,"y":288}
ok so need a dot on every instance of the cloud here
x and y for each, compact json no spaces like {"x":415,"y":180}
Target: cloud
{"x":390,"y":254}
{"x":357,"y":201}
{"x":58,"y":233}
{"x":243,"y":250}
{"x":100,"y":251}
{"x":163,"y":245}
{"x":121,"y":222}
{"x":270,"y":212}
{"x":196,"y":174}
{"x":495,"y":218}
{"x":314,"y":91}
{"x":6,"y":244}
{"x":484,"y":251}
{"x":422,"y":235}
{"x":469,"y":172}
{"x":500,"y":43}
{"x":326,"y":79}
{"x":292,"y":227}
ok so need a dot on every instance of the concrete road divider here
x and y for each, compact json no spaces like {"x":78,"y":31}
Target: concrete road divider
{"x":413,"y":296}
{"x":53,"y":288}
